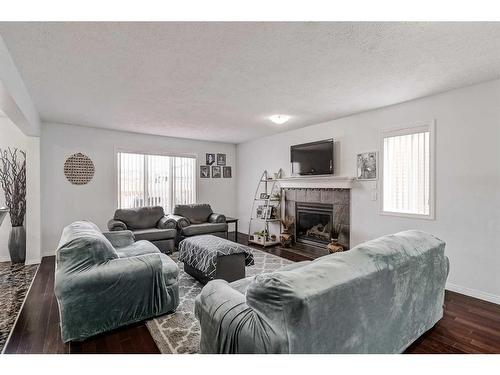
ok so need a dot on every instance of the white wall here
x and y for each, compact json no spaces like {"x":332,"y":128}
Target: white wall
{"x":63,"y":203}
{"x":11,"y":136}
{"x":467,"y":177}
{"x":15,"y":101}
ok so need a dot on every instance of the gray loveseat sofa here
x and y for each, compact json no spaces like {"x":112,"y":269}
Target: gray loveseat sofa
{"x":104,"y":281}
{"x":196,"y":219}
{"x":147,"y":223}
{"x":378,"y":297}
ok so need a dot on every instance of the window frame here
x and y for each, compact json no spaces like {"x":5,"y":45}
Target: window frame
{"x":118,"y":150}
{"x":429,"y":126}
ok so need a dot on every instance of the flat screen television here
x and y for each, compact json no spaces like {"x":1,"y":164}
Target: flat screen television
{"x":315,"y":158}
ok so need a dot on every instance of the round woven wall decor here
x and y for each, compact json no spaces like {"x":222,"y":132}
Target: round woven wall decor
{"x":79,"y":169}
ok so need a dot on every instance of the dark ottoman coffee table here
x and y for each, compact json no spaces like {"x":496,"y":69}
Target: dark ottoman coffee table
{"x":208,"y":257}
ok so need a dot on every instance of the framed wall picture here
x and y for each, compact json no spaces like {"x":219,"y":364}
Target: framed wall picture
{"x":259,"y":211}
{"x":216,"y":171}
{"x":226,"y":172}
{"x":221,"y":159}
{"x":209,"y":159}
{"x":367,"y":166}
{"x":204,"y":171}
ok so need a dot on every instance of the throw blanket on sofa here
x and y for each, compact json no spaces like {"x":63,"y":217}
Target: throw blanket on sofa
{"x":201,"y":252}
{"x":99,"y":287}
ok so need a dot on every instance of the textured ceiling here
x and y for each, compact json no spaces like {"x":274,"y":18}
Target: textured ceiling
{"x":220,"y":81}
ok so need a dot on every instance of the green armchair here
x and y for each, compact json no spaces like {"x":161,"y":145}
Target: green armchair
{"x":105,"y":281}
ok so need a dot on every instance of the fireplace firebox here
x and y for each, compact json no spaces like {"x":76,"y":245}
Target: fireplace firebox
{"x":313,"y":223}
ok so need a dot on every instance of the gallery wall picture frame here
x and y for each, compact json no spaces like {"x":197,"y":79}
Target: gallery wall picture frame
{"x":367,"y":166}
{"x":209,"y":159}
{"x":221,"y":159}
{"x":204,"y":171}
{"x":227,"y":172}
{"x":216,"y":171}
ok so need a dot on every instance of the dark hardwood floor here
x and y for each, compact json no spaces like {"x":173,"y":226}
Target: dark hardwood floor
{"x":469,"y":325}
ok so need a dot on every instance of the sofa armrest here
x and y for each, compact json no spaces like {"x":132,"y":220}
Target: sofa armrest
{"x":167,"y":223}
{"x":116,"y":225}
{"x":120,"y":238}
{"x":181,"y":221}
{"x":217,"y":218}
{"x":229,"y":325}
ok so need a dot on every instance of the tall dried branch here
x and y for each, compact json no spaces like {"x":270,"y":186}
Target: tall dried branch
{"x":13,"y":183}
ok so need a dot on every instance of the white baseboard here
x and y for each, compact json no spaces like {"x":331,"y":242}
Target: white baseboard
{"x":48,"y":254}
{"x":32,"y":261}
{"x":27,"y":261}
{"x":485,"y":296}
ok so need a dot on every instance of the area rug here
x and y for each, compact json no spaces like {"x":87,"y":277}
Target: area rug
{"x":179,"y":333}
{"x":15,"y":281}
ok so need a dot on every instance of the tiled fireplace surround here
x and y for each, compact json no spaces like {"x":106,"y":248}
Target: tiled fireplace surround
{"x":339,"y":198}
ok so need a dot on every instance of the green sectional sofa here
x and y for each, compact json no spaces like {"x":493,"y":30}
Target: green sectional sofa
{"x":378,"y":297}
{"x":104,"y":281}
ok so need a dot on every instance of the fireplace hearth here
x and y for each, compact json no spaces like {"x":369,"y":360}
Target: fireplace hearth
{"x":313,"y":223}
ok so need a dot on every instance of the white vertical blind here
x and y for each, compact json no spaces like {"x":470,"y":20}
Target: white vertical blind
{"x":406,"y":180}
{"x":155,"y":180}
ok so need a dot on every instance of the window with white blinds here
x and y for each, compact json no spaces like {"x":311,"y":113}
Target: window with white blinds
{"x":407,"y":172}
{"x":155,"y":180}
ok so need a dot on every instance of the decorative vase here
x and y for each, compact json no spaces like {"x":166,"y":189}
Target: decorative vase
{"x":17,"y":244}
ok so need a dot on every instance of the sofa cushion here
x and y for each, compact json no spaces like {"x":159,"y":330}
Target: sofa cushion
{"x":137,"y":248}
{"x":141,"y":217}
{"x":195,"y":213}
{"x":205,"y":228}
{"x":154,"y":234}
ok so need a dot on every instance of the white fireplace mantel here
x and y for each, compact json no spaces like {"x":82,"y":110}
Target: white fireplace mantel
{"x":317,"y":182}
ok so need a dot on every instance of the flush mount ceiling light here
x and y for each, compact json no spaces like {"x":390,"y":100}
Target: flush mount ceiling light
{"x":279,"y":119}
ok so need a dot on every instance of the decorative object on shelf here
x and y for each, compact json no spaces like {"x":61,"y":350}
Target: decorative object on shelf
{"x":226,"y":172}
{"x":13,"y":182}
{"x":260,"y":237}
{"x":271,"y":213}
{"x":264,"y":217}
{"x":334,"y":247}
{"x":266,"y":212}
{"x":276,"y":196}
{"x":204,"y":171}
{"x":259,"y":212}
{"x":221,"y":159}
{"x":79,"y":169}
{"x":209,"y":159}
{"x":215,"y":171}
{"x":367,"y":166}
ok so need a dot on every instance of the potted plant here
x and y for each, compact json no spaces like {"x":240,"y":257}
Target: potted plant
{"x":13,"y":183}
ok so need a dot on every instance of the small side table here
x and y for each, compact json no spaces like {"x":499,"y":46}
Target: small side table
{"x":232,"y":220}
